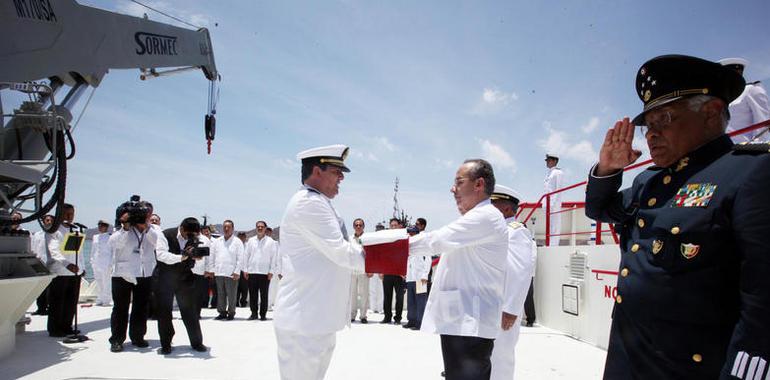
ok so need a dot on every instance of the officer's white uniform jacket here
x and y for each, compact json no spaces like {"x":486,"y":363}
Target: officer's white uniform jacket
{"x":261,"y":256}
{"x":468,"y":281}
{"x":133,"y":253}
{"x":553,"y":182}
{"x":101,"y":255}
{"x":58,"y":262}
{"x":417,"y":268}
{"x":750,"y":108}
{"x":522,"y":254}
{"x":314,"y":297}
{"x":519,"y":270}
{"x":226,"y":256}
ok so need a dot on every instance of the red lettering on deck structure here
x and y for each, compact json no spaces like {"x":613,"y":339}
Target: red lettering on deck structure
{"x":610,"y":291}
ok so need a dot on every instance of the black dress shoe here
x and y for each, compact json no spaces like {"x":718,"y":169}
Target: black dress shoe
{"x":364,"y":321}
{"x":407,"y":325}
{"x":166,"y":350}
{"x":200,"y":348}
{"x":397,"y":321}
{"x":140,"y":343}
{"x":116,"y":347}
{"x":385,"y":322}
{"x":220,"y":317}
{"x":230,"y":317}
{"x":352,"y":320}
{"x":57,"y":334}
{"x":263,"y":318}
{"x":253,"y":317}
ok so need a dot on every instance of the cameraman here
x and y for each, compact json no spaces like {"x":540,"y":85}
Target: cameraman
{"x":177,"y":251}
{"x":133,"y":262}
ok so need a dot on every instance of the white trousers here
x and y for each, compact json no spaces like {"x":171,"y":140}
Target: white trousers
{"x":103,"y":280}
{"x":556,"y":224}
{"x":272,"y":291}
{"x":359,"y":295}
{"x":376,"y":293}
{"x":304,"y":357}
{"x":504,"y":353}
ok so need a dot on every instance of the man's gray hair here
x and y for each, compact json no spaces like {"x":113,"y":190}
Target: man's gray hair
{"x":482,"y":169}
{"x":695,"y":103}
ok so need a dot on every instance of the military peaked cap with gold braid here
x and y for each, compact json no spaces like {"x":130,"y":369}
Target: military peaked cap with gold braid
{"x":667,"y":78}
{"x":326,"y":155}
{"x":505,"y":193}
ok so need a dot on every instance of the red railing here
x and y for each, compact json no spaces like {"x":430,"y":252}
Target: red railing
{"x":580,"y":205}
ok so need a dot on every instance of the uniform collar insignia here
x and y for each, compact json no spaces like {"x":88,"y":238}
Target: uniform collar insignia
{"x":682,"y":164}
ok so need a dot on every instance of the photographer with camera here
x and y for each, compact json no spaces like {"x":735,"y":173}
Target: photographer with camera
{"x":133,"y":262}
{"x":178,"y":250}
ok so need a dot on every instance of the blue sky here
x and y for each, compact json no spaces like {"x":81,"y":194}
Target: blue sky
{"x":414,"y":88}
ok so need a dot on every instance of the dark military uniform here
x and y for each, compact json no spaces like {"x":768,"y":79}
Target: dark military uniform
{"x":694,"y":284}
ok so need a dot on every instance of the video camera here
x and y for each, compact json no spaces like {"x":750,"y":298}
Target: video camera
{"x":196,"y":251}
{"x":137,"y":210}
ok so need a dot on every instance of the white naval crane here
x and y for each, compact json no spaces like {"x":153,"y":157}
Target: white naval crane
{"x":52,"y":52}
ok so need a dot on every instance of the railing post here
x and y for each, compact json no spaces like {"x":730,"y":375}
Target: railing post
{"x":598,"y":233}
{"x":548,"y":220}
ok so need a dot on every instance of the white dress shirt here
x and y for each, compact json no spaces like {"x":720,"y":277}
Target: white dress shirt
{"x":58,"y":262}
{"x":166,"y":257}
{"x":553,"y":182}
{"x":261,"y":255}
{"x":317,"y":267}
{"x":37,"y":244}
{"x":469,"y":279}
{"x":226,"y":257}
{"x":133,"y":253}
{"x":417,"y":268}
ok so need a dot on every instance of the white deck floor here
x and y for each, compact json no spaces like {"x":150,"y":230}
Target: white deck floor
{"x":243,"y":349}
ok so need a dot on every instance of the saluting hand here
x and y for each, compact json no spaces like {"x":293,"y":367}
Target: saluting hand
{"x":617,"y":152}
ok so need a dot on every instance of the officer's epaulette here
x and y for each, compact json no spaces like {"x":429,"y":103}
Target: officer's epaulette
{"x":515,"y":225}
{"x":751,"y":148}
{"x":312,"y":190}
{"x":655,"y":167}
{"x":755,"y":83}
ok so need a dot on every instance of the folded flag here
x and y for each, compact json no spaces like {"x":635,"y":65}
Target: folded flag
{"x":386,"y":251}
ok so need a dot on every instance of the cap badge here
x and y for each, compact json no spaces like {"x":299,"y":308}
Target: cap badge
{"x":689,"y":250}
{"x":694,"y":195}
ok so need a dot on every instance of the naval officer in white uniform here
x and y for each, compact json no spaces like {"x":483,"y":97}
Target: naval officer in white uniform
{"x":314,"y":299}
{"x":553,"y":182}
{"x":520,"y":265}
{"x":464,"y":305}
{"x":750,"y":108}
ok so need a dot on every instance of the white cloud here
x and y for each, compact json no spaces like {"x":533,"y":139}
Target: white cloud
{"x":384,"y":143}
{"x":369,"y":156}
{"x":591,"y":125}
{"x":287,"y":163}
{"x":448,"y":164}
{"x":562,"y":144}
{"x":495,"y":96}
{"x":497,"y":155}
{"x":493,"y":101}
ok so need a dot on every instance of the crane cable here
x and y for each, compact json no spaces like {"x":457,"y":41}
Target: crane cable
{"x":166,"y":14}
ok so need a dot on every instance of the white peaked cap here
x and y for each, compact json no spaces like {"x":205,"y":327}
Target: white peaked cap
{"x":505,"y":192}
{"x":329,"y":155}
{"x":733,"y":61}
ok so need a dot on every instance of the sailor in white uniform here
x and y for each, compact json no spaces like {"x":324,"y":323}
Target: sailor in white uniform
{"x":314,"y":300}
{"x":750,"y":108}
{"x":520,"y":266}
{"x":553,"y":182}
{"x":465,"y":303}
{"x":101,"y":257}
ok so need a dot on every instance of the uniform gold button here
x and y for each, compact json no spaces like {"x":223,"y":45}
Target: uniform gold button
{"x":618,"y":299}
{"x":667,"y":180}
{"x":634,"y":247}
{"x":652,"y":202}
{"x":675,"y":230}
{"x":640,"y":223}
{"x":697,"y":358}
{"x":624,"y":272}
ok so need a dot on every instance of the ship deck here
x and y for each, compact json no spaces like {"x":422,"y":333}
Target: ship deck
{"x":242,"y":349}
